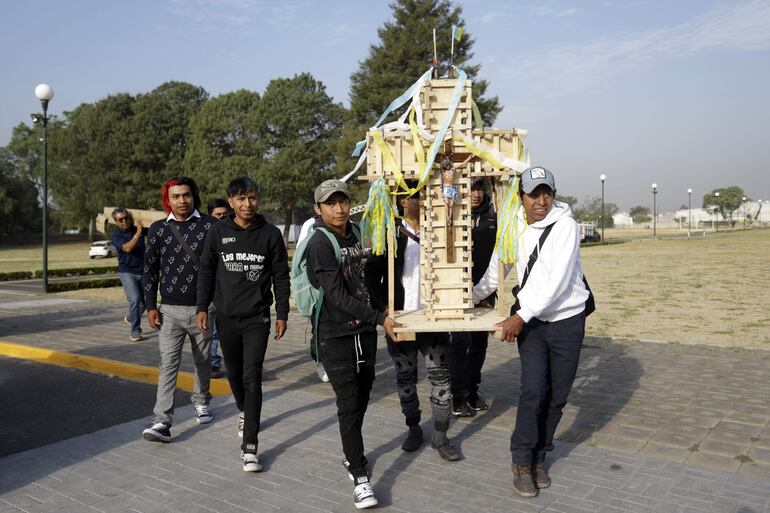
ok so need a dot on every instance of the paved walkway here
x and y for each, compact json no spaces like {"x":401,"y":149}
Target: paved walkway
{"x":650,"y":427}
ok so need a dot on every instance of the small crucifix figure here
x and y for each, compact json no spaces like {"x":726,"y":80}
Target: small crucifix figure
{"x":449,"y":192}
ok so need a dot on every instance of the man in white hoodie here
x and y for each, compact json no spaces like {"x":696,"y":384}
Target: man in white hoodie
{"x":548,"y":325}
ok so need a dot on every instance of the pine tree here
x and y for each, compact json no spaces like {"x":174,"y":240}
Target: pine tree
{"x":405,"y":52}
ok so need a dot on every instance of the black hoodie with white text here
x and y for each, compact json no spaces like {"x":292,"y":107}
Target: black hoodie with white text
{"x":240,"y":267}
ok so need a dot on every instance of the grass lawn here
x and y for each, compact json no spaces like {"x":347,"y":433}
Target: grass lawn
{"x":60,"y":256}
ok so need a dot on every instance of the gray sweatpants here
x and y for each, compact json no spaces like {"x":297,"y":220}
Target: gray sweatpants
{"x":435,"y":348}
{"x":177,"y":323}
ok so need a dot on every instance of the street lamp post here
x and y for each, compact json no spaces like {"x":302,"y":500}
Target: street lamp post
{"x":654,"y":210}
{"x":716,"y":209}
{"x":603,"y":178}
{"x":689,"y":211}
{"x":44,"y":93}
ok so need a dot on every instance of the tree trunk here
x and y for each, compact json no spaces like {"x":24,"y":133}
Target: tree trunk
{"x":91,"y":225}
{"x":287,"y":223}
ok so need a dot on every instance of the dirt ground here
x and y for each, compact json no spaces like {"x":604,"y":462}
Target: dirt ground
{"x":703,"y":290}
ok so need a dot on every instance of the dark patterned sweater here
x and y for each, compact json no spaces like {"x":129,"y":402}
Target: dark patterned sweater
{"x":168,"y":267}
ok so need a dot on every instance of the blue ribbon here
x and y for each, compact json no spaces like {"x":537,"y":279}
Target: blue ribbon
{"x":395,"y":104}
{"x":438,"y":141}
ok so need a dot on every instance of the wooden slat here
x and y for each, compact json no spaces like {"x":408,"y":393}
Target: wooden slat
{"x":480,"y":319}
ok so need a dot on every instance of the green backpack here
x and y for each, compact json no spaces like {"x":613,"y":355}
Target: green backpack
{"x":307,"y":297}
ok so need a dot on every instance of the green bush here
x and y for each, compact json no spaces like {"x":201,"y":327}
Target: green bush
{"x":79,"y":271}
{"x":88,"y":284}
{"x":16,"y":275}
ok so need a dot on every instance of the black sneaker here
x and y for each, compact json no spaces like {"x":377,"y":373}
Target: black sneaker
{"x":217,"y":372}
{"x":446,"y":450}
{"x":363,"y":495}
{"x":158,"y":432}
{"x":477,"y":402}
{"x":460,"y":408}
{"x":413,"y":439}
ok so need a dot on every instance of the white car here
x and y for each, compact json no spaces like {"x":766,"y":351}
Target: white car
{"x":102,"y":248}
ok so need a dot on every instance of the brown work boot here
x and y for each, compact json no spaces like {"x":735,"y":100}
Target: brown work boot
{"x":523,"y":484}
{"x":540,"y":475}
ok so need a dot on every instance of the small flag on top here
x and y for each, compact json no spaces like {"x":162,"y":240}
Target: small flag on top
{"x":457,"y":32}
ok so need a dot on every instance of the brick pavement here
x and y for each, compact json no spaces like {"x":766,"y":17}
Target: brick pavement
{"x":675,"y":419}
{"x":114,"y":471}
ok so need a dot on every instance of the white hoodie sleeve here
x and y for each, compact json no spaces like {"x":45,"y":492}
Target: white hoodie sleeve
{"x":552,"y":273}
{"x":305,"y":229}
{"x":491,"y":279}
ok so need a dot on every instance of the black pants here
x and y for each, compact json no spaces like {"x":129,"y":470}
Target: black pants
{"x":549,"y":352}
{"x":349,"y":363}
{"x":244,"y":341}
{"x":467,"y":353}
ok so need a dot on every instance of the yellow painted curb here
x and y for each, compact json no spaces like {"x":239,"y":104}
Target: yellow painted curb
{"x":131,"y":371}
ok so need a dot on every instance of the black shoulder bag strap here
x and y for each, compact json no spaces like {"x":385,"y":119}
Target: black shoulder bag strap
{"x":532,"y":259}
{"x":402,"y":229}
{"x":535,"y":254}
{"x":186,"y":247}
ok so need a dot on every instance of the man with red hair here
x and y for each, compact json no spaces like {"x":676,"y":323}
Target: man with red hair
{"x":171,"y":263}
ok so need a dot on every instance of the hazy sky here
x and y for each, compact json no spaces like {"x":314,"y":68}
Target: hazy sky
{"x":643,"y":91}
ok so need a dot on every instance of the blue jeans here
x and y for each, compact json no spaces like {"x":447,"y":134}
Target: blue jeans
{"x":132,"y":286}
{"x":216,"y":360}
{"x":549,"y":352}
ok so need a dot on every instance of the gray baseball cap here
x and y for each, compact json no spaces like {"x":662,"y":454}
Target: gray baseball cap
{"x":534,"y":176}
{"x":329,"y":187}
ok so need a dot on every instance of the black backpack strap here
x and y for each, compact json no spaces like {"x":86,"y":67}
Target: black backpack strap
{"x":186,"y":247}
{"x":535,"y":254}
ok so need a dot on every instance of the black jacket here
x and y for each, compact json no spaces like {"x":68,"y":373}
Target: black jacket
{"x":345,"y":310}
{"x":376,"y":273}
{"x":484,"y":237}
{"x":241,"y":266}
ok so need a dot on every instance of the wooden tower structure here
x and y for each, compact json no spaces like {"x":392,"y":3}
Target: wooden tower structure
{"x":446,"y":242}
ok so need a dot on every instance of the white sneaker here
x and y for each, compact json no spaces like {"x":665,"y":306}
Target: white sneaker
{"x":250,"y":462}
{"x":319,"y":369}
{"x":363,"y":495}
{"x":202,"y":413}
{"x":241,"y":421}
